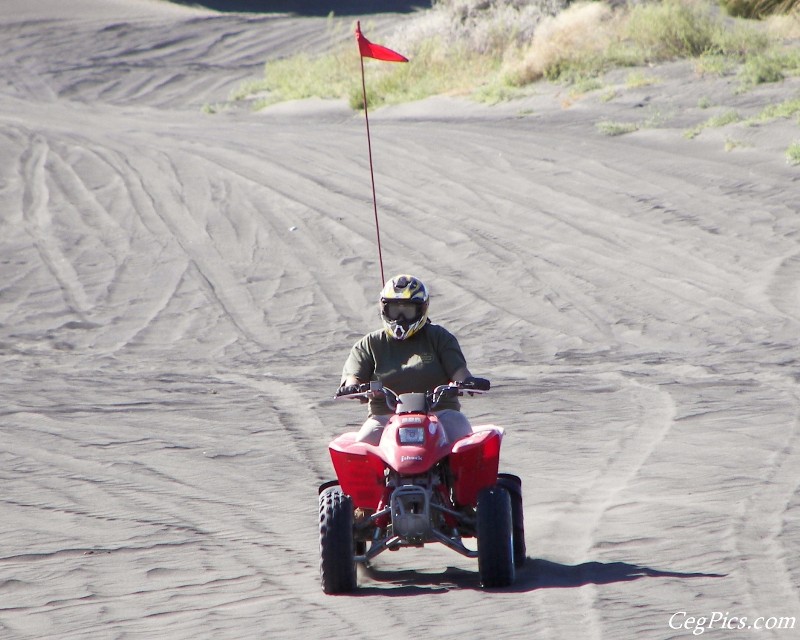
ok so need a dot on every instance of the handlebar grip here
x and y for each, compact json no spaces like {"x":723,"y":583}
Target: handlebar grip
{"x":475,"y":384}
{"x":352,"y":389}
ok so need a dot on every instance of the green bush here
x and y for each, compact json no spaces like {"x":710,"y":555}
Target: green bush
{"x":737,"y":40}
{"x":670,"y":29}
{"x":786,"y":109}
{"x":303,"y":76}
{"x":793,"y":154}
{"x":435,"y":71}
{"x":614,"y":128}
{"x":721,"y":120}
{"x":761,"y":69}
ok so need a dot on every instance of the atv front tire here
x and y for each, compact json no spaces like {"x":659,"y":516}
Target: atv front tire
{"x":495,"y":538}
{"x":337,"y":567}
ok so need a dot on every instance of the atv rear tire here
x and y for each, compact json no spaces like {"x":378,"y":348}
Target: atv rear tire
{"x":495,"y":538}
{"x":513,"y":484}
{"x":337,"y":567}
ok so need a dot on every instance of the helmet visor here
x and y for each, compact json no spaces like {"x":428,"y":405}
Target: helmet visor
{"x":402,"y":310}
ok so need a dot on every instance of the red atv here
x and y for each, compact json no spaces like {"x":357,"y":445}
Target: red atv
{"x":416,"y":488}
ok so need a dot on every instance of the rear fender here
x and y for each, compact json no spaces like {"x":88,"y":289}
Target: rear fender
{"x":358,"y":469}
{"x":474,"y":463}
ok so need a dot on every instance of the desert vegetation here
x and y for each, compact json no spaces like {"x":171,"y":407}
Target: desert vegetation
{"x":496,"y":50}
{"x":793,"y":153}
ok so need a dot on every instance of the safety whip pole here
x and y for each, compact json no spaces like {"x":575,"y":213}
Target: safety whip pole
{"x":372,"y":171}
{"x":367,"y":49}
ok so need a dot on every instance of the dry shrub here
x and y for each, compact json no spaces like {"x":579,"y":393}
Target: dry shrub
{"x":486,"y":27}
{"x":784,"y":26}
{"x":758,"y":9}
{"x":576,"y":38}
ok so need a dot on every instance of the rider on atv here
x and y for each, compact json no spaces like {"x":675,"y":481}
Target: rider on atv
{"x":409,"y":354}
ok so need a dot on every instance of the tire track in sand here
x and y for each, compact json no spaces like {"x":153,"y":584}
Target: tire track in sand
{"x":301,"y":422}
{"x":576,"y":528}
{"x":757,"y":531}
{"x":163,"y":206}
{"x":784,"y":289}
{"x":39,"y":223}
{"x":290,"y":197}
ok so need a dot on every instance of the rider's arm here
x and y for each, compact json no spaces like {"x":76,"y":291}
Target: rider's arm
{"x":461,"y":374}
{"x":350,"y":380}
{"x":360,"y":364}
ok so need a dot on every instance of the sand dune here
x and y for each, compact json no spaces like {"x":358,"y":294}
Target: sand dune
{"x":179,"y":291}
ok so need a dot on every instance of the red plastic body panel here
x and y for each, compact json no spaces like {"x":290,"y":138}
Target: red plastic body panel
{"x":360,"y":466}
{"x":358,"y":469}
{"x":408,"y":459}
{"x":474,"y":463}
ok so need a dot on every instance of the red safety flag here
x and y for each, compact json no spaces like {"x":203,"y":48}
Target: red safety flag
{"x":369,"y":50}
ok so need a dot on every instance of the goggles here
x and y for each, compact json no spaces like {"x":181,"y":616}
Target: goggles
{"x":396,"y":310}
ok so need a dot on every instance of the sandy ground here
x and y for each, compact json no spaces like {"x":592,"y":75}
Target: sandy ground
{"x":178,"y":292}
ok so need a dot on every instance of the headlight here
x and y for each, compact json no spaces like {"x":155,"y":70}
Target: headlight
{"x":412,"y":435}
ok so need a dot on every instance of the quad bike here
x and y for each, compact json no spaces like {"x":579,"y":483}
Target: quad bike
{"x":415,"y":488}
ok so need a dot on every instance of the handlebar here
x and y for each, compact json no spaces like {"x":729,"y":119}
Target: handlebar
{"x":369,"y":390}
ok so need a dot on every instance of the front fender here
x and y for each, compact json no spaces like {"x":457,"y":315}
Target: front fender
{"x":358,"y":469}
{"x":474,"y":462}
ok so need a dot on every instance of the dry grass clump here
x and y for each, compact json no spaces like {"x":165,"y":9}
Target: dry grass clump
{"x":574,"y":42}
{"x":785,"y":26}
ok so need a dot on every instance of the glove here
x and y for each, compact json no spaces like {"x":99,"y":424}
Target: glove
{"x":477,"y":384}
{"x":349,"y":390}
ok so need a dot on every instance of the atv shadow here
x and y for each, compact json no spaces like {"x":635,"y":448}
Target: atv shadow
{"x":543,"y":574}
{"x":411,"y":582}
{"x":535,"y":575}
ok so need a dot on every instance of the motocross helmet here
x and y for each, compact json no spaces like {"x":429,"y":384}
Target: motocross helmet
{"x":404,"y":306}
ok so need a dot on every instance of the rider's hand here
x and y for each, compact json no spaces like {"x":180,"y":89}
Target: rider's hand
{"x":476,"y":384}
{"x":354,"y":390}
{"x":349,"y":390}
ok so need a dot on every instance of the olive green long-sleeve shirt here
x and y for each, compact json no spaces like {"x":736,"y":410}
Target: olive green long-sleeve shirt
{"x":417,"y":364}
